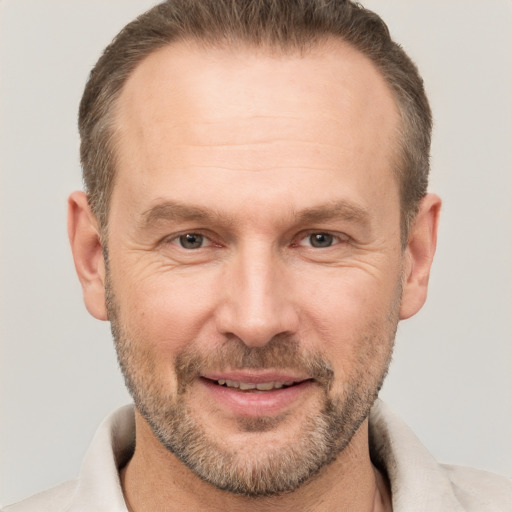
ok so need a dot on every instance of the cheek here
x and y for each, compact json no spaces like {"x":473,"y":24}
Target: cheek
{"x":166,"y":312}
{"x":352,"y":315}
{"x":349,"y":296}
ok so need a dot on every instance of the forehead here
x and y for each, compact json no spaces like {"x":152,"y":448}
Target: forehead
{"x":188,"y":113}
{"x":218,"y":82}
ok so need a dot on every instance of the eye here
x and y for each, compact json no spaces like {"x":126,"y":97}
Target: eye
{"x":320,"y":240}
{"x":191,"y":241}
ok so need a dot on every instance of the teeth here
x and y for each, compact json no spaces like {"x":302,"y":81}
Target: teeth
{"x":263,"y":386}
{"x":246,"y":385}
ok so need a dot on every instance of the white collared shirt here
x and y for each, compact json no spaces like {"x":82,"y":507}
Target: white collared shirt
{"x":418,"y":482}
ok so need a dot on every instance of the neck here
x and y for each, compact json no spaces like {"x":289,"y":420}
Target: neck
{"x":155,"y":479}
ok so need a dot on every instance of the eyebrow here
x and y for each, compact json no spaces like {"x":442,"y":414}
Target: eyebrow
{"x":175,"y":211}
{"x":335,"y":210}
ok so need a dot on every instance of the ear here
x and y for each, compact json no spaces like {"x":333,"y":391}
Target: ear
{"x":419,"y":255}
{"x":84,"y":237}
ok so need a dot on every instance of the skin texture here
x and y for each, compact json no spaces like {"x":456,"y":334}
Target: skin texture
{"x":254,"y":152}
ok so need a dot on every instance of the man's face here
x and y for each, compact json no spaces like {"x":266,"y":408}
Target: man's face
{"x":254,"y":274}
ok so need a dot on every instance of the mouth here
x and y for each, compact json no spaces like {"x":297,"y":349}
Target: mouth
{"x":255,"y":386}
{"x":252,"y":394}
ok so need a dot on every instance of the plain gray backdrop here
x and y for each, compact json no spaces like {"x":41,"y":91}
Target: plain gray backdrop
{"x":451,"y":378}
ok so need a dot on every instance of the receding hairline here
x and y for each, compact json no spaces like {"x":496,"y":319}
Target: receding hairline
{"x":413,"y":111}
{"x":282,"y":25}
{"x":329,"y":43}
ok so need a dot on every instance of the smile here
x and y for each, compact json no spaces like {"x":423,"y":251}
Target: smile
{"x":260,"y":386}
{"x":247,"y":394}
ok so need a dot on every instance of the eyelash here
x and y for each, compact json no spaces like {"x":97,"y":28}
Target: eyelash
{"x":175,"y":240}
{"x":336,"y":238}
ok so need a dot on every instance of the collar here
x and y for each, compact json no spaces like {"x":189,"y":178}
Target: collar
{"x":417,"y":481}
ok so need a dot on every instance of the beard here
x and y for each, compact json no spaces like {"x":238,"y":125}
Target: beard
{"x":250,"y":471}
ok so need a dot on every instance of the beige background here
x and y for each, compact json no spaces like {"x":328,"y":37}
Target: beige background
{"x":452,"y":375}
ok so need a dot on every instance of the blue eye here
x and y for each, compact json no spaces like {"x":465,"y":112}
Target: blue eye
{"x":191,"y":241}
{"x":321,"y":240}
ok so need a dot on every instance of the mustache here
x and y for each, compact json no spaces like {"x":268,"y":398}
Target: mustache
{"x":281,"y":352}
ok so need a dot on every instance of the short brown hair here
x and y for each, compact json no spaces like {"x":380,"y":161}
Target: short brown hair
{"x":281,"y":24}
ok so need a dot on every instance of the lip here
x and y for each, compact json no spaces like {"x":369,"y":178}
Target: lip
{"x":256,"y":376}
{"x":256,"y":403}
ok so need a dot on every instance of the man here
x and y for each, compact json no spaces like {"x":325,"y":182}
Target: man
{"x":256,"y":223}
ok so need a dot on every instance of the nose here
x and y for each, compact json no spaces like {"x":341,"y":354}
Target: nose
{"x":257,"y":300}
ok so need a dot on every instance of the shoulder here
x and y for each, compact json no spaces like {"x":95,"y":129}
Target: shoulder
{"x":420,"y":483}
{"x":55,"y":499}
{"x":97,"y":487}
{"x":479,"y":490}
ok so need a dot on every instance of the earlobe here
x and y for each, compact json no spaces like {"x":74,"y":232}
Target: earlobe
{"x":85,"y":240}
{"x":419,"y":255}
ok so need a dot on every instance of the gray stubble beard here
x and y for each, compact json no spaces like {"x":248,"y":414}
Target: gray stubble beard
{"x":322,"y":438}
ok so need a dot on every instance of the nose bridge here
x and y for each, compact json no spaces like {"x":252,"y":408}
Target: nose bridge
{"x":257,"y":304}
